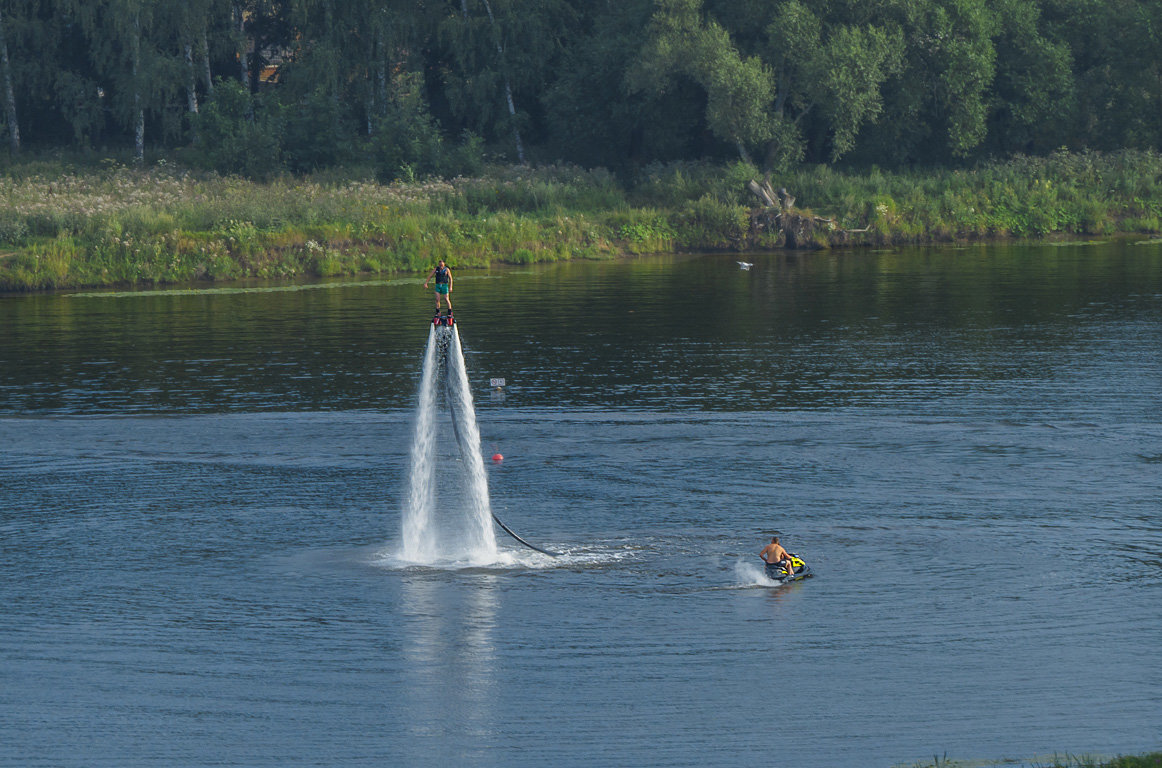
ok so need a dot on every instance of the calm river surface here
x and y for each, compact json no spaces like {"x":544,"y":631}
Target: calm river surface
{"x":200,"y":498}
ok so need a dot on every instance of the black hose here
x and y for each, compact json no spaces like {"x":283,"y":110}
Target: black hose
{"x":511,"y":533}
{"x":464,"y":452}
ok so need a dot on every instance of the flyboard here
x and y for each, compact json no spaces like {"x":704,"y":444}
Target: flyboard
{"x":447,"y":321}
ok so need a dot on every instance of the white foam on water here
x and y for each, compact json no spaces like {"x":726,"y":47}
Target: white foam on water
{"x":749,"y":574}
{"x":500,"y":560}
{"x":510,"y":560}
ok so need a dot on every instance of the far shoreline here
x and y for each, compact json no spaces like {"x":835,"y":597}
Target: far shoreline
{"x":120,"y":227}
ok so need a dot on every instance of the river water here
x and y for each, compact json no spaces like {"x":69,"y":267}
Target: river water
{"x":201,"y":495}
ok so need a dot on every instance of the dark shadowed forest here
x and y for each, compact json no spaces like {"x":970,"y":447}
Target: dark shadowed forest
{"x":415,"y":89}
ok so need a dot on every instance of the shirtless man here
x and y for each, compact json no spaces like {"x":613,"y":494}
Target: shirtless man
{"x":774,"y":554}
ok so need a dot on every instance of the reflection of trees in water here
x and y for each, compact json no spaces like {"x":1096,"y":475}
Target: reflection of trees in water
{"x":797,"y":330}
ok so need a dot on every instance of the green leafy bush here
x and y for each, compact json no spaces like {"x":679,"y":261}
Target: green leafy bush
{"x":239,"y":133}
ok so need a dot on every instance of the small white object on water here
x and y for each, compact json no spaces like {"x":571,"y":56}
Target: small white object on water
{"x":745,"y":265}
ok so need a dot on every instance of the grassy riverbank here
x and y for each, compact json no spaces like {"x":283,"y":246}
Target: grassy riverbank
{"x":1151,"y":760}
{"x":62,"y":226}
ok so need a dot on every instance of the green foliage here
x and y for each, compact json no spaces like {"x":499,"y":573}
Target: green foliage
{"x":590,"y":119}
{"x":710,"y":223}
{"x":550,"y":188}
{"x":497,"y":55}
{"x":239,"y":133}
{"x":1152,"y":760}
{"x":626,"y":85}
{"x":114,"y":225}
{"x":850,"y":70}
{"x":644,"y":230}
{"x":408,"y":143}
{"x":834,"y":68}
{"x":313,"y":136}
{"x":14,"y":229}
{"x":674,"y":184}
{"x":1034,"y":86}
{"x":739,"y":89}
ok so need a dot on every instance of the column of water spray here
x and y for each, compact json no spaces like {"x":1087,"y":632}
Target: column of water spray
{"x":419,"y":545}
{"x":425,"y":539}
{"x":460,"y":395}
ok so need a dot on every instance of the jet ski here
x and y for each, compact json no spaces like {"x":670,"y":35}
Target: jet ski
{"x":799,"y":570}
{"x":443,"y":319}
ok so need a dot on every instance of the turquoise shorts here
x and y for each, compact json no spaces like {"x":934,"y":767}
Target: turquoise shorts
{"x":442,"y":288}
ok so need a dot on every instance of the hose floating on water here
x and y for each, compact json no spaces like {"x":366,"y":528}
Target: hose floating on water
{"x":510,"y":532}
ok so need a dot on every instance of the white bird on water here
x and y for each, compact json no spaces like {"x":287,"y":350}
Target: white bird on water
{"x":745,"y":264}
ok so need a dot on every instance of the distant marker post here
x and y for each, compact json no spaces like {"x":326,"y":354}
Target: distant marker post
{"x":498,"y":385}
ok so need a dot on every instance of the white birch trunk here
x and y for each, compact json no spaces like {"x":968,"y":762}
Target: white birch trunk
{"x":520,"y":149}
{"x":138,"y":111}
{"x":191,"y":81}
{"x":243,"y":57}
{"x":742,"y":153}
{"x":206,"y":74}
{"x":9,"y":94}
{"x":381,"y":74}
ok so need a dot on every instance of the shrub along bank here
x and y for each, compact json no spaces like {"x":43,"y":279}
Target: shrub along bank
{"x":1150,"y":760}
{"x":66,"y":227}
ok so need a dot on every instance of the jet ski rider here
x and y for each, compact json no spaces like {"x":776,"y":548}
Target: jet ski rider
{"x":774,"y":554}
{"x":443,"y":277}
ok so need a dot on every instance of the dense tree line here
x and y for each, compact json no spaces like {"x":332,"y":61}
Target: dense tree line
{"x":430,"y":86}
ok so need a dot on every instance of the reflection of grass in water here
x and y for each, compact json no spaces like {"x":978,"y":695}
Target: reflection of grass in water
{"x":1151,"y":241}
{"x":257,"y":289}
{"x":1151,"y":760}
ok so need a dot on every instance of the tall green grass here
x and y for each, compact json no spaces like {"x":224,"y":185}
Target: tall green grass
{"x":117,"y":225}
{"x":1083,"y":193}
{"x":65,"y":225}
{"x":1151,"y":760}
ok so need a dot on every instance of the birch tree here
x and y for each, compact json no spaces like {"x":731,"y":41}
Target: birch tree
{"x":9,"y":93}
{"x":393,"y":33}
{"x":115,"y":30}
{"x":497,"y":50}
{"x":241,"y":41}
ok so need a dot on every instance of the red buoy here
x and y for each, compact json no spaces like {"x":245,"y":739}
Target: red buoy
{"x":497,"y":457}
